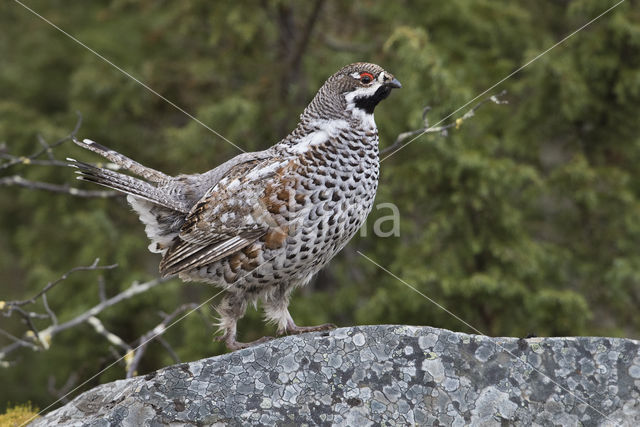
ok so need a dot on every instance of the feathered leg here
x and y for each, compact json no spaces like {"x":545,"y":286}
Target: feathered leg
{"x":231,"y":309}
{"x":276,"y":310}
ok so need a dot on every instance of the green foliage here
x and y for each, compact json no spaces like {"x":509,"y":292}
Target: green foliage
{"x":524,"y":220}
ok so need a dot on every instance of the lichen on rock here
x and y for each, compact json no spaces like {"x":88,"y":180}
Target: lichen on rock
{"x":372,"y":374}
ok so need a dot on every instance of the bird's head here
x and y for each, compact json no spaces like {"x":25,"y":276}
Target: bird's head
{"x":353,"y":92}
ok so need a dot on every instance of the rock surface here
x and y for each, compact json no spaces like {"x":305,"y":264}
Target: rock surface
{"x":382,"y":374}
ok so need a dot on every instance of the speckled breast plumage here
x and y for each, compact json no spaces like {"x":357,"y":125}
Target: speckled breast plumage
{"x":315,"y":202}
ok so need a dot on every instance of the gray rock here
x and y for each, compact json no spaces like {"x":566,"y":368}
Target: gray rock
{"x":381,"y":375}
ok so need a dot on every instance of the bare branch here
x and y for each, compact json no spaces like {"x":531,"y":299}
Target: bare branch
{"x":64,"y":390}
{"x":52,"y":162}
{"x":398,"y":143}
{"x":44,"y":337}
{"x":169,"y":349}
{"x":46,"y":147}
{"x":26,"y":314}
{"x":102,"y":293}
{"x":33,"y":159}
{"x":134,"y":289}
{"x":52,"y":315}
{"x":153,"y":334}
{"x":26,"y":317}
{"x":36,"y":185}
{"x":50,"y":285}
{"x":110,"y":336}
{"x":38,"y":340}
{"x":19,"y":341}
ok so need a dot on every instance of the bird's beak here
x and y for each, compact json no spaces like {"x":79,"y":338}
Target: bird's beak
{"x":395,"y":83}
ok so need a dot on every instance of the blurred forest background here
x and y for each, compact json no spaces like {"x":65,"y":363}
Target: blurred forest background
{"x":526,"y":219}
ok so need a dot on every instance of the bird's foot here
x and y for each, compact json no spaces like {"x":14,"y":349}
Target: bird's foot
{"x":233,"y":344}
{"x":293,"y":329}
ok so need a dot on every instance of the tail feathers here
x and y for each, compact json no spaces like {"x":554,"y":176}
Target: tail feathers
{"x":126,"y":184}
{"x":122,"y":161}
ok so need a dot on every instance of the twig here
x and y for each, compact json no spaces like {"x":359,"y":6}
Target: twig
{"x":36,"y":161}
{"x":102,"y":293}
{"x":27,"y":316}
{"x":19,"y":341}
{"x":110,"y":336}
{"x":169,"y":349}
{"x":45,"y":336}
{"x":94,"y":266}
{"x":441,"y":129}
{"x":152,"y":334}
{"x":52,"y":315}
{"x":42,"y":337}
{"x":36,"y":185}
{"x":19,"y":181}
{"x":11,"y":348}
{"x":62,"y":391}
{"x":134,"y":289}
{"x":46,"y":147}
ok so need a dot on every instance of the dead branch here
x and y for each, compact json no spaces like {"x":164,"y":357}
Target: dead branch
{"x":134,"y":289}
{"x":61,"y":393}
{"x":42,"y":324}
{"x":94,"y":266}
{"x":22,"y":160}
{"x":46,"y":148}
{"x":156,"y":332}
{"x":50,"y":160}
{"x":55,"y":188}
{"x":38,"y":340}
{"x":18,"y":341}
{"x":399,"y":142}
{"x":169,"y":349}
{"x":110,"y":336}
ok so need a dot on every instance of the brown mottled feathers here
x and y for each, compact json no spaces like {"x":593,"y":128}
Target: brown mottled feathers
{"x":225,"y":220}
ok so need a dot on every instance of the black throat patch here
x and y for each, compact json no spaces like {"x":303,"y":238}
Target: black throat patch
{"x":369,"y":103}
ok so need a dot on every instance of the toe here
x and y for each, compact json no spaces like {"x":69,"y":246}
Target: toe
{"x":294,"y":329}
{"x":234,"y":345}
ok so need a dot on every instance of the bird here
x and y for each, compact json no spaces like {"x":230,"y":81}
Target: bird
{"x":263,"y":223}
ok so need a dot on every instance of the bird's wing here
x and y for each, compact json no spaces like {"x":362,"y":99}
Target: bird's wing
{"x":193,"y":187}
{"x":226,"y":219}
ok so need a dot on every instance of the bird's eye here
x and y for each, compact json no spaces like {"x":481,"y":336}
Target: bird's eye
{"x":366,"y":77}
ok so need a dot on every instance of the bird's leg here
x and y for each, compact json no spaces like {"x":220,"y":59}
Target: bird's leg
{"x":276,"y":311}
{"x":231,"y":309}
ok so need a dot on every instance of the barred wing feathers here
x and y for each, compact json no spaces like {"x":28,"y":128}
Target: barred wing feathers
{"x":225,"y":220}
